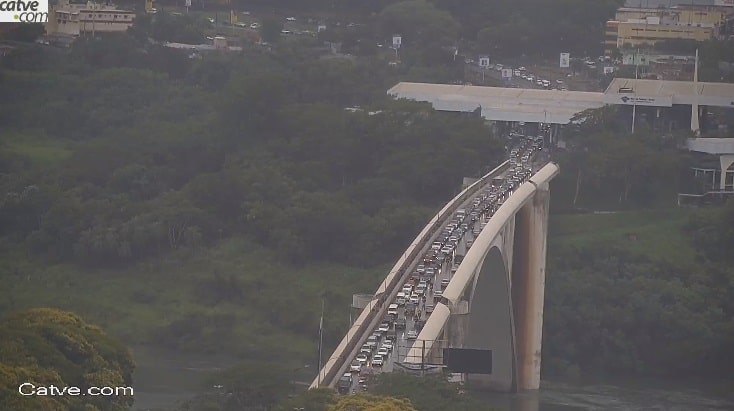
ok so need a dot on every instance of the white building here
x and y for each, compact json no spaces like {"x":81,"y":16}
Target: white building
{"x":75,"y":18}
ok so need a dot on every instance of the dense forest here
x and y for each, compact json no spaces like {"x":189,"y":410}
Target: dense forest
{"x":196,"y":203}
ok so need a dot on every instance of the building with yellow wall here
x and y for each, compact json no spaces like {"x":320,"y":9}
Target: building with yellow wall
{"x":682,"y":14}
{"x":636,"y":33}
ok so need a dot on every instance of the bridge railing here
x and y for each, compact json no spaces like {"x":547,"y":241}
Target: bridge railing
{"x":336,"y":365}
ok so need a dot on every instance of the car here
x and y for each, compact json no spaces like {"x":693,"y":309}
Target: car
{"x":362,"y":359}
{"x":385,"y":327}
{"x":445,"y":283}
{"x":392,"y":309}
{"x":400,"y":299}
{"x":378,"y":361}
{"x":387,"y":345}
{"x":421,"y":268}
{"x":414,"y":299}
{"x":255,"y":26}
{"x":362,"y":379}
{"x":429,"y":308}
{"x":469,"y":243}
{"x":400,"y":323}
{"x":290,"y":18}
{"x":356,"y":366}
{"x":382,"y":351}
{"x":412,"y":335}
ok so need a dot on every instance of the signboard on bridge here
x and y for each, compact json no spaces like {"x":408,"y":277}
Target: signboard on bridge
{"x":483,"y":61}
{"x":630,"y":99}
{"x":468,"y":360}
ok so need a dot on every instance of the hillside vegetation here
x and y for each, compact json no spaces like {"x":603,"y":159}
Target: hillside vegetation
{"x":211,"y":204}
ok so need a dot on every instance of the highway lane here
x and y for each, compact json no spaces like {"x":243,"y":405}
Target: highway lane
{"x":402,"y":344}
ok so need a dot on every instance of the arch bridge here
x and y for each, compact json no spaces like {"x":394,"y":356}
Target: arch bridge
{"x":491,"y":300}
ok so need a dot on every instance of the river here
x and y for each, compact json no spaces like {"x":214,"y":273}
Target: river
{"x":163,"y":378}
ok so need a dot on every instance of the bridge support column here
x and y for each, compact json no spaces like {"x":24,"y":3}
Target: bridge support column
{"x":458,"y":324}
{"x":528,"y":287}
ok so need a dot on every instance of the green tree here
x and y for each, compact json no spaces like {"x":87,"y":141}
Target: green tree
{"x":46,"y":346}
{"x":420,"y":23}
{"x":270,"y":29}
{"x":428,"y":393}
{"x":368,"y":402}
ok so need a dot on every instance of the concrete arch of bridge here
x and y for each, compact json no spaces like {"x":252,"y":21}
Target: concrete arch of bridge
{"x":490,"y":323}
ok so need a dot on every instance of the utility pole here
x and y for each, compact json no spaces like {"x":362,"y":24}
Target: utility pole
{"x":321,"y":340}
{"x":634,"y":95}
{"x":694,"y":107}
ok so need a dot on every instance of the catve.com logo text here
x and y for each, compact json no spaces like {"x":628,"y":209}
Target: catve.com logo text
{"x":23,"y":11}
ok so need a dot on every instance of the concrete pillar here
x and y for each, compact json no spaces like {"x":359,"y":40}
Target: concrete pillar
{"x":528,"y":287}
{"x":726,"y":161}
{"x":458,"y":324}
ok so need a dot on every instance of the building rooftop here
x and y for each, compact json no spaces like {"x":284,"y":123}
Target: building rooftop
{"x":498,"y":103}
{"x":711,"y":145}
{"x":672,"y":92}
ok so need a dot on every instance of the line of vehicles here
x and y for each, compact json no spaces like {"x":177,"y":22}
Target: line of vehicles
{"x":407,"y":313}
{"x":523,"y":73}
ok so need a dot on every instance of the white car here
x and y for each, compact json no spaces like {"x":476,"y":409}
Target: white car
{"x":414,"y":299}
{"x":290,"y":18}
{"x":392,"y":309}
{"x":362,"y":358}
{"x":356,"y":366}
{"x":383,"y":351}
{"x":377,"y":361}
{"x":387,"y":344}
{"x":384,"y":327}
{"x":400,"y":299}
{"x":412,"y":335}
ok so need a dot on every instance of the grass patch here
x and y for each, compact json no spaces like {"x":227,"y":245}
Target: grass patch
{"x":41,"y":151}
{"x":657,"y":234}
{"x":161,"y":302}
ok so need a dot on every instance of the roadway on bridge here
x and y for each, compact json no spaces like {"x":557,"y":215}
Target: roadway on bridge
{"x":401,"y":343}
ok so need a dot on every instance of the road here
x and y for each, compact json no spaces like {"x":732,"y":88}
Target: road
{"x":443,"y":271}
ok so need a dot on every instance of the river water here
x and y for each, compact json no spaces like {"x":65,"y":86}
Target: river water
{"x":163,"y":378}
